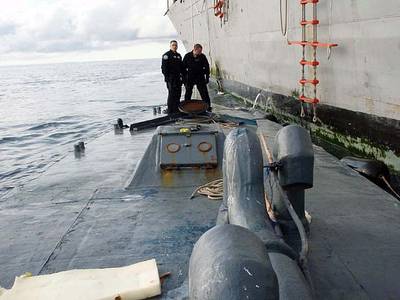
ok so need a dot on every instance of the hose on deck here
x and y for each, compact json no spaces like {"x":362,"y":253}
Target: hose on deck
{"x":299,"y":224}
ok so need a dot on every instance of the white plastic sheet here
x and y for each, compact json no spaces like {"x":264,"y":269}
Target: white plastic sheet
{"x":134,"y":282}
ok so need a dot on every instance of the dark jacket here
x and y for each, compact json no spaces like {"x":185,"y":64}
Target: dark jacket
{"x":171,"y":66}
{"x":196,"y":69}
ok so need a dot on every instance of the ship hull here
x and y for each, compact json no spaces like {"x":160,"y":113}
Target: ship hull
{"x":359,"y":104}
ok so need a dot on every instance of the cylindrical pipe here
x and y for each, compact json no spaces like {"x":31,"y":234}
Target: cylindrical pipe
{"x":294,"y":151}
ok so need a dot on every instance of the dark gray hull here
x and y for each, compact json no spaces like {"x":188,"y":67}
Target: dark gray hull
{"x":97,"y":212}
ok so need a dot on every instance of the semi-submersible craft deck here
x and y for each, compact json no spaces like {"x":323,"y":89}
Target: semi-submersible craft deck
{"x":128,"y":199}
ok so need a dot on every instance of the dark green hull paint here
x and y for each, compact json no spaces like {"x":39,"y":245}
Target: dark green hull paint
{"x":348,"y":132}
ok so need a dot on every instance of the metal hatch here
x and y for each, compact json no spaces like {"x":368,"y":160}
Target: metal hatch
{"x":188,"y":147}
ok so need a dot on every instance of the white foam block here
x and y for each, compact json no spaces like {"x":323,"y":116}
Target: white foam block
{"x":134,"y":282}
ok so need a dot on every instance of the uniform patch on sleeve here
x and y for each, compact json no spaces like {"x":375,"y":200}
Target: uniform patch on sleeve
{"x":165,"y":57}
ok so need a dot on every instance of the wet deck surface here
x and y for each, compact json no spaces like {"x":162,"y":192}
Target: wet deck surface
{"x":355,"y":231}
{"x":79,"y":214}
{"x":37,"y":219}
{"x":82,"y":213}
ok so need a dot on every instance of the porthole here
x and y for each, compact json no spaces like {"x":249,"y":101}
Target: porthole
{"x":173,"y":148}
{"x":204,"y":147}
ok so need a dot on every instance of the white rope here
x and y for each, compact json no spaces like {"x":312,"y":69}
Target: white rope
{"x":267,"y":104}
{"x":284,"y":25}
{"x":192,"y":19}
{"x":390,"y":187}
{"x":329,"y":49}
{"x":214,"y":190}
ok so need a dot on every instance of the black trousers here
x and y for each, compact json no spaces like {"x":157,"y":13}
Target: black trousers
{"x":201,"y":87}
{"x":174,"y":87}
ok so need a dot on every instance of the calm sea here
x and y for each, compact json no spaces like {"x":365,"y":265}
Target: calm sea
{"x":45,"y":109}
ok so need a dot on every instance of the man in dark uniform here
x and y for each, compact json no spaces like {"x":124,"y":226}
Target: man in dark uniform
{"x":197,"y":72}
{"x":172,"y":69}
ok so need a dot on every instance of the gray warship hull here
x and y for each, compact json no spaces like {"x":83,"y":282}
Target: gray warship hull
{"x":358,"y":90}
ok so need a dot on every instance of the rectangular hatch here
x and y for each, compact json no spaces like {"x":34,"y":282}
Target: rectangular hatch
{"x":188,"y":147}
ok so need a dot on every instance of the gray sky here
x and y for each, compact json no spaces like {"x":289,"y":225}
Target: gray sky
{"x":41,"y":31}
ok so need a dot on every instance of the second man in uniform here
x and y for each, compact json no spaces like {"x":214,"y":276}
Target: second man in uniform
{"x":196,"y":72}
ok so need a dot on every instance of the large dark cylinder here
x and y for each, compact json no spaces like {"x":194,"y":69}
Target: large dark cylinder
{"x":244,"y":205}
{"x":294,"y":150}
{"x":230,"y":262}
{"x":243,"y":183}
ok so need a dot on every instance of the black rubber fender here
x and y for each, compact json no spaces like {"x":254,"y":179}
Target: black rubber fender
{"x":231,"y":262}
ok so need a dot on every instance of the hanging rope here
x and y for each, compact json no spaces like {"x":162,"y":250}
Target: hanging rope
{"x":259,"y":95}
{"x":329,"y":49}
{"x":390,"y":187}
{"x":284,"y":25}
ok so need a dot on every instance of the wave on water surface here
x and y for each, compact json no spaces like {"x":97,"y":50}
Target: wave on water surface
{"x":66,"y":103}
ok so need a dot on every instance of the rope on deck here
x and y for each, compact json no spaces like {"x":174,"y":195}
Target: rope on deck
{"x":214,"y":190}
{"x":390,"y":187}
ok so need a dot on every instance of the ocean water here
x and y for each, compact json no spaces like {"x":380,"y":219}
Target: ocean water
{"x":46,"y":109}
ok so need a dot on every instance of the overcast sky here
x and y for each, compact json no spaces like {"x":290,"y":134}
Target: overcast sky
{"x":40,"y":31}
